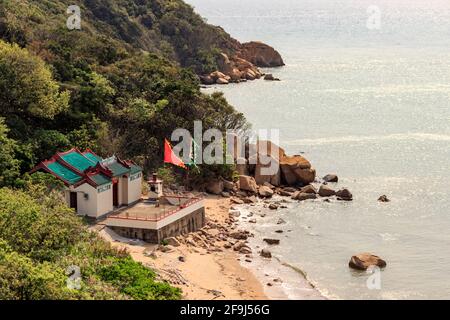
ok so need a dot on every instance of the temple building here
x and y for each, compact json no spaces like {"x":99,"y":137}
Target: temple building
{"x":95,"y":186}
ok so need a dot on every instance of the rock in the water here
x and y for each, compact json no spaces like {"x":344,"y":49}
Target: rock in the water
{"x":266,"y":253}
{"x":261,"y":55}
{"x":331,"y":178}
{"x":281,"y":221}
{"x":270,"y":77}
{"x":297,"y":170}
{"x":363,"y":261}
{"x":265,"y":192}
{"x":300,"y":196}
{"x":272,"y":241}
{"x":344,"y":195}
{"x":248,"y":183}
{"x":326,"y":191}
{"x":384,"y":198}
{"x":215,"y":187}
{"x":308,"y":189}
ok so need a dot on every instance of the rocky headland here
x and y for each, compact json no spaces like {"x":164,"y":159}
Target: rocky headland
{"x":243,"y":65}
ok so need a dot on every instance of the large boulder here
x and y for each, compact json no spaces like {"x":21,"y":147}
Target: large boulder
{"x":248,"y":183}
{"x":215,"y":187}
{"x":265,"y":192}
{"x":264,"y":159}
{"x":261,"y":55}
{"x":297,"y":170}
{"x":326,"y":191}
{"x":363,"y":261}
{"x":269,"y":172}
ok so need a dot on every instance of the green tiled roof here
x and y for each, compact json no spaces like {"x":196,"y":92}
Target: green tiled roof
{"x":100,"y":179}
{"x":74,"y":159}
{"x":92,"y":157}
{"x":135,"y":169}
{"x":63,"y":172}
{"x":78,"y":161}
{"x":117,"y":169}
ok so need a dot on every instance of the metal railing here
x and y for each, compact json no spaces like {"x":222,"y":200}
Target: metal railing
{"x":159,"y":216}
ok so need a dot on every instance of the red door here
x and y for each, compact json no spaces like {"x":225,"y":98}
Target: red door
{"x":74,"y":201}
{"x":116,"y":194}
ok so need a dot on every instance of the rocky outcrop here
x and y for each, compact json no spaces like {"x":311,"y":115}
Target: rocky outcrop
{"x":261,"y":55}
{"x":297,"y":170}
{"x":271,"y":241}
{"x":363,"y":261}
{"x":242,"y":65}
{"x":266,"y":253}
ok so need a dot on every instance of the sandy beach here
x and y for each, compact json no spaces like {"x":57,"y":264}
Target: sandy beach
{"x":201,"y":273}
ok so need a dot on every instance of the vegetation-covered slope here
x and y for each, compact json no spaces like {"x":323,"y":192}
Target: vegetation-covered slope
{"x":119,"y":86}
{"x":115,"y":86}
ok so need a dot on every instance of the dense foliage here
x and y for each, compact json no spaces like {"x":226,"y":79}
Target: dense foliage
{"x":119,"y":85}
{"x":116,"y":86}
{"x":40,"y":238}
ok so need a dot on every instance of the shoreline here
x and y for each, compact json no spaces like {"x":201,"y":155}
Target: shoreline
{"x":202,"y":273}
{"x":280,"y":279}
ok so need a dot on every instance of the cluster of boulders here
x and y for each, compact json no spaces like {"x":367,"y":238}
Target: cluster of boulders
{"x":292,"y":177}
{"x":243,"y":65}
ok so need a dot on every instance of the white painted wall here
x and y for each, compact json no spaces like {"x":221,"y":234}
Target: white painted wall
{"x":104,"y":201}
{"x":96,"y":205}
{"x":153,"y":225}
{"x":134,"y":189}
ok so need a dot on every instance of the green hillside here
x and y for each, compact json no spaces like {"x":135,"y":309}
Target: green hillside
{"x":120,"y":85}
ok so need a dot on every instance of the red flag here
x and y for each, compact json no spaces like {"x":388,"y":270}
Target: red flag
{"x":170,"y":157}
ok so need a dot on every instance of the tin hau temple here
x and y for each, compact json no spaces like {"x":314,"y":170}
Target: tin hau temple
{"x":110,"y":190}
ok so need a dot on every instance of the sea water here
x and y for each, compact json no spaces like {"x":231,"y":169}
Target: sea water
{"x":373,"y":106}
